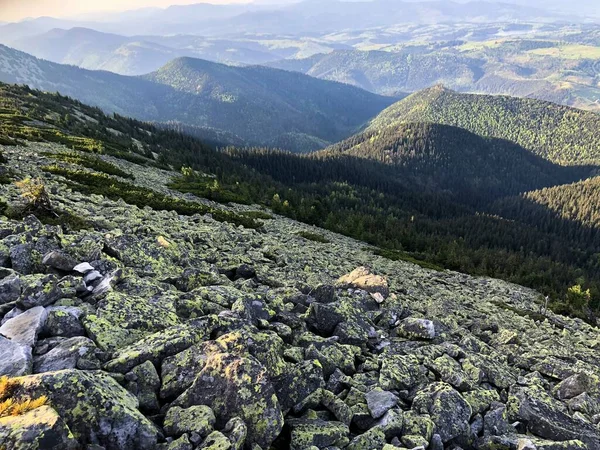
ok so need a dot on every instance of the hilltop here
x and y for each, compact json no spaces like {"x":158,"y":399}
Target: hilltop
{"x":558,"y":133}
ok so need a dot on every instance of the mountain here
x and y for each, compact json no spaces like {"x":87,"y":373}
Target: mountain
{"x":451,"y":159}
{"x":259,"y":105}
{"x":148,"y":319}
{"x":558,"y":133}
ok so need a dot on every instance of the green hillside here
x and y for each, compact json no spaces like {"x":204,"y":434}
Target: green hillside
{"x":561,"y":134}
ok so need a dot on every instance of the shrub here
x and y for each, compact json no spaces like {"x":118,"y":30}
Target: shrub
{"x":314,"y":237}
{"x":33,"y":191}
{"x":13,"y":404}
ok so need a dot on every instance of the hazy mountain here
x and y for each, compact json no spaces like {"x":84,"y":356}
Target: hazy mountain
{"x":259,"y":105}
{"x":558,"y":133}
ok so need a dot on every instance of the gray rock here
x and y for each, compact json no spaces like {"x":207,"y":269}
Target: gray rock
{"x":576,"y":385}
{"x":416,"y":328}
{"x":15,"y":359}
{"x":59,"y":260}
{"x":216,"y":441}
{"x":65,"y":355}
{"x":10,"y":289}
{"x":144,"y":384}
{"x":83,"y":268}
{"x":24,"y":328}
{"x":46,"y":290}
{"x":380,"y":402}
{"x":22,"y":258}
{"x":183,"y":443}
{"x":236,"y":431}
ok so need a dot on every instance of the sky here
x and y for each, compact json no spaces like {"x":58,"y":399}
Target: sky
{"x":13,"y":10}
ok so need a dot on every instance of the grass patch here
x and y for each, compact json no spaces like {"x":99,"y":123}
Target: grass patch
{"x":12,"y":404}
{"x":97,"y":183}
{"x":91,"y":162}
{"x":206,"y":187}
{"x":259,"y":215}
{"x":395,"y":255}
{"x":315,"y":237}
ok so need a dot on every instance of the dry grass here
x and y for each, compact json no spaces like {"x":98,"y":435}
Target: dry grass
{"x":12,"y":404}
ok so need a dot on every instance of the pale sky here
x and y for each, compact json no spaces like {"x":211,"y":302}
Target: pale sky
{"x":13,"y":10}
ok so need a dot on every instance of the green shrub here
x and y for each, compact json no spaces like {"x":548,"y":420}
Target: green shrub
{"x":91,"y":162}
{"x":395,"y":255}
{"x":315,"y":237}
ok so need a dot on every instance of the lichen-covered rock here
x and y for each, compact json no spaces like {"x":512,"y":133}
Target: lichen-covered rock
{"x":65,"y":355}
{"x":25,"y":328}
{"x":46,"y":290}
{"x":374,"y":439}
{"x":362,"y":278}
{"x":10,"y":289}
{"x":198,"y":419}
{"x":297,"y":382}
{"x":158,"y":346}
{"x":183,"y":443}
{"x":216,"y":441}
{"x":318,"y":433}
{"x":547,"y":417}
{"x":236,"y":431}
{"x":95,"y":408}
{"x":576,"y":385}
{"x":400,"y":372}
{"x":38,"y":429}
{"x":15,"y":358}
{"x":340,"y":410}
{"x":413,"y":327}
{"x":448,"y":410}
{"x":235,"y":386}
{"x":64,"y":321}
{"x":143,"y":382}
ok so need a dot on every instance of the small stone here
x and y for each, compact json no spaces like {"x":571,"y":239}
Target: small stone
{"x":83,"y":268}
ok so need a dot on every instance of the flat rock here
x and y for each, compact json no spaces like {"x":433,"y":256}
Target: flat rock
{"x":59,"y":260}
{"x":65,"y":355}
{"x":24,"y":328}
{"x":380,"y":402}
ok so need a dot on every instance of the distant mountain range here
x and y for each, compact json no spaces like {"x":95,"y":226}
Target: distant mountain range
{"x":257,"y":105}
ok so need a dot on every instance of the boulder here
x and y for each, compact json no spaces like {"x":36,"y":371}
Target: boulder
{"x":448,"y":410}
{"x":46,"y":290}
{"x":40,"y":428}
{"x":414,"y":328}
{"x":362,"y":278}
{"x":143,"y":382}
{"x":236,"y":386}
{"x":198,"y":419}
{"x":15,"y":359}
{"x":64,"y":321}
{"x":25,"y":328}
{"x":59,"y":260}
{"x":379,"y":402}
{"x":236,"y":431}
{"x":216,"y":441}
{"x":576,"y":385}
{"x":399,"y":372}
{"x":307,"y":433}
{"x":65,"y":355}
{"x":297,"y":382}
{"x":94,"y":407}
{"x":373,"y":439}
{"x":10,"y":289}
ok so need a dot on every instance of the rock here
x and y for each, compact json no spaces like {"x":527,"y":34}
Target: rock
{"x":399,"y":372}
{"x":216,"y":441}
{"x":236,"y":431}
{"x":46,"y":290}
{"x":65,"y":355}
{"x":450,"y":371}
{"x":198,"y":419}
{"x":318,"y":433}
{"x":83,"y":268}
{"x":362,"y":278}
{"x":412,"y":327}
{"x":576,"y":385}
{"x":495,"y":422}
{"x":144,"y":384}
{"x":179,"y":371}
{"x":59,"y":260}
{"x":24,"y":328}
{"x":371,"y":440}
{"x":340,"y":410}
{"x":64,"y":321}
{"x":380,"y":402}
{"x":94,"y":407}
{"x":23,"y":259}
{"x":183,"y":443}
{"x":391,"y":423}
{"x":245,"y":272}
{"x":448,"y":410}
{"x":235,"y":386}
{"x":297,"y":382}
{"x":547,"y":417}
{"x":41,"y":428}
{"x":10,"y":289}
{"x":16,"y":359}
{"x":158,"y":346}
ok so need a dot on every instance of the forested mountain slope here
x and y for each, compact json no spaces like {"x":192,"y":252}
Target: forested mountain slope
{"x":259,"y":105}
{"x":559,"y":133}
